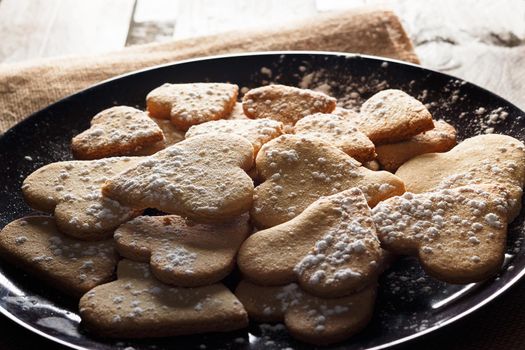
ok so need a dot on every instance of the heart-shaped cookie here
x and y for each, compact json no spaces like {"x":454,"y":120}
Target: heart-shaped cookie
{"x":137,"y":305}
{"x":189,"y":104}
{"x":35,"y":244}
{"x":257,"y":131}
{"x":71,"y":190}
{"x":484,"y":159}
{"x":458,"y":234}
{"x":331,"y":248}
{"x":338,"y":132}
{"x":391,"y":116}
{"x":172,"y":135}
{"x":286,"y":104}
{"x":182,"y":253}
{"x":308,"y":318}
{"x":116,"y":131}
{"x":202,"y":178}
{"x":440,"y":139}
{"x":297,"y":170}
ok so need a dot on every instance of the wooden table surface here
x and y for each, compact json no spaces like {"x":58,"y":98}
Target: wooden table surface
{"x":481,"y":41}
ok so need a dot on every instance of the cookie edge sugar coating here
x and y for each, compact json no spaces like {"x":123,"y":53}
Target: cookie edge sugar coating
{"x":172,"y":135}
{"x":227,"y":238}
{"x":72,"y":288}
{"x":258,"y":302}
{"x":440,"y":139}
{"x":447,"y":267}
{"x":257,"y":264}
{"x":440,"y":170}
{"x":162,"y":109}
{"x":420,"y":118}
{"x":83,"y":150}
{"x":237,"y":113}
{"x":129,"y":193}
{"x":262,"y":218}
{"x":40,"y":199}
{"x":268,"y":129}
{"x":360,"y":148}
{"x":103,"y":321}
{"x":278,"y":91}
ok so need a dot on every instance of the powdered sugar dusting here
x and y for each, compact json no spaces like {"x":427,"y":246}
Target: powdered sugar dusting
{"x":345,"y":254}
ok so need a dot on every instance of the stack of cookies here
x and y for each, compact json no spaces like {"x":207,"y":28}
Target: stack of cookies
{"x":284,"y":186}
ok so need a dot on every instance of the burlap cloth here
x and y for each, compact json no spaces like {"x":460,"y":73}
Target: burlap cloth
{"x":28,"y":87}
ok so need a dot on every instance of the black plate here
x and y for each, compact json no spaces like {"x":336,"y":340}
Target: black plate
{"x":409,"y":305}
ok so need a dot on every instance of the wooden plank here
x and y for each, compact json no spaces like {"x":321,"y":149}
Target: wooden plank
{"x":87,"y":27}
{"x":23,"y":35}
{"x":204,"y":17}
{"x":149,"y":32}
{"x":41,"y":28}
{"x":153,"y":21}
{"x":333,"y":5}
{"x":155,"y":11}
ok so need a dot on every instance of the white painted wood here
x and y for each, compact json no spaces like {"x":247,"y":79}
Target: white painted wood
{"x":333,"y":5}
{"x":87,"y":27}
{"x":155,"y":11}
{"x":40,"y":28}
{"x":22,"y":32}
{"x":204,"y":17}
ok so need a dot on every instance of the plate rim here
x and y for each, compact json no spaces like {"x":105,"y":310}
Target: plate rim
{"x":404,"y":340}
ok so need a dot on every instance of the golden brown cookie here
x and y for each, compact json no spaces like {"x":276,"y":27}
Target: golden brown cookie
{"x":35,"y":244}
{"x":308,"y":318}
{"x":71,"y":190}
{"x":372,"y":165}
{"x":183,"y":253}
{"x":237,"y":112}
{"x":440,"y":139}
{"x":458,"y":234}
{"x":257,"y":131}
{"x":298,"y":170}
{"x":286,"y":104}
{"x":116,"y":131}
{"x":331,"y":248}
{"x":202,"y":178}
{"x":338,"y":132}
{"x":137,"y":305}
{"x":172,"y":135}
{"x":491,"y":159}
{"x":348,"y":114}
{"x":391,"y":116}
{"x":150,"y":149}
{"x":189,"y":104}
